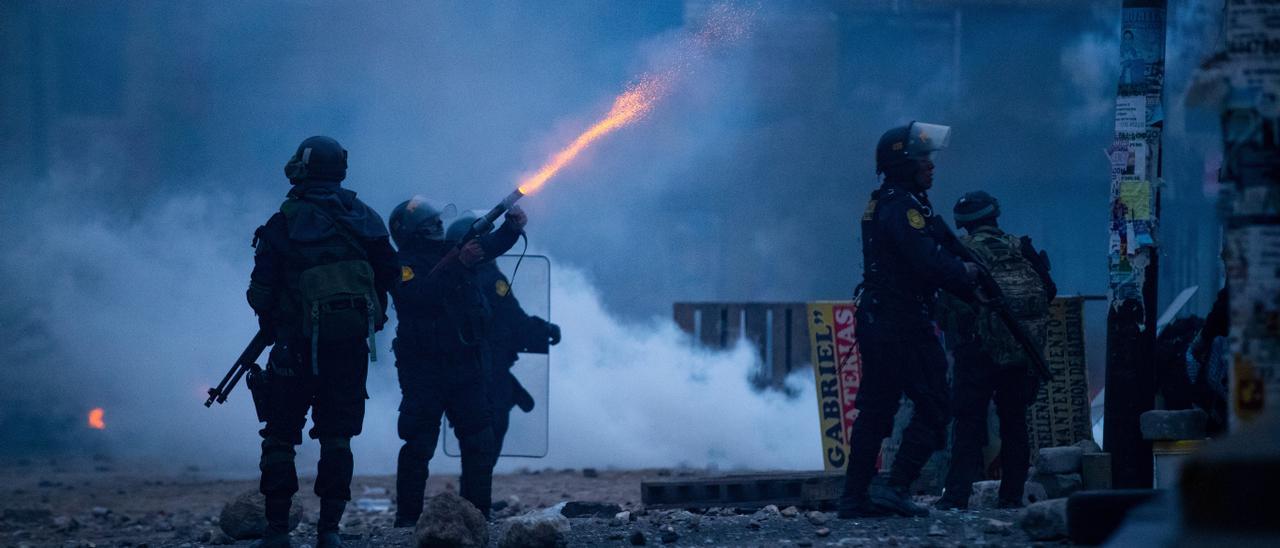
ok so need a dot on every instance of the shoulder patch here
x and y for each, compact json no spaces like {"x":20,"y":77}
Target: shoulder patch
{"x":870,"y":213}
{"x":915,"y":219}
{"x":406,"y":273}
{"x":501,"y":287}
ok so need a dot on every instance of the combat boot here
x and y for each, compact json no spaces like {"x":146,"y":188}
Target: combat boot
{"x":272,"y":539}
{"x":329,"y":539}
{"x":896,"y":500}
{"x":859,"y":507}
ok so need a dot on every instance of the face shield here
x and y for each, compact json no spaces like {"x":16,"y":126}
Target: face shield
{"x":925,"y":140}
{"x":425,"y":219}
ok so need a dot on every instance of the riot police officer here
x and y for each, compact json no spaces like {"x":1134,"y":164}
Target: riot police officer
{"x":512,"y":331}
{"x":442,"y":322}
{"x":989,"y":363}
{"x":904,"y":266}
{"x":321,"y":274}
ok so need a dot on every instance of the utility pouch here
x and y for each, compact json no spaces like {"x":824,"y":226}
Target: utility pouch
{"x":257,"y":381}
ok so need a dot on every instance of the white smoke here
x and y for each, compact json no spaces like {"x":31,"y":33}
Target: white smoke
{"x":146,"y":315}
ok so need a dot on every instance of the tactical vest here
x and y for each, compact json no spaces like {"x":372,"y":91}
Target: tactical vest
{"x":1024,"y":292}
{"x":329,"y":289}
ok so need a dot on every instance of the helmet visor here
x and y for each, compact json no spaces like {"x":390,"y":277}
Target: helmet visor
{"x":926,"y":139}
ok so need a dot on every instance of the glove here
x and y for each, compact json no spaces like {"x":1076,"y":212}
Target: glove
{"x":553,"y":334}
{"x":268,"y":327}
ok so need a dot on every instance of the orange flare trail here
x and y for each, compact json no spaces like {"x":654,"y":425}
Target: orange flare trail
{"x":95,"y":419}
{"x":628,"y":107}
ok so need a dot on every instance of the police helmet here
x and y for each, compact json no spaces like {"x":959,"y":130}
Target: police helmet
{"x":317,"y":158}
{"x":914,"y":141}
{"x":459,"y":227}
{"x":974,"y":207}
{"x":416,"y":218}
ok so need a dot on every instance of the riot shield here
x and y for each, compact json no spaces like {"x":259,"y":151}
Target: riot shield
{"x":526,"y":434}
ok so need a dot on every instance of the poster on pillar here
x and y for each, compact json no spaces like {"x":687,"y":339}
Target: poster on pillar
{"x":837,"y":372}
{"x":1253,"y":261}
{"x":1060,"y":413}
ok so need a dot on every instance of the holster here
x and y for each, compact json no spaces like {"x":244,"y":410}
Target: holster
{"x":257,"y":381}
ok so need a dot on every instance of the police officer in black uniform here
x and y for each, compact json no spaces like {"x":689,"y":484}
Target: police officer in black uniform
{"x":512,"y":331}
{"x":439,"y":340}
{"x":904,"y":267}
{"x":319,"y":360}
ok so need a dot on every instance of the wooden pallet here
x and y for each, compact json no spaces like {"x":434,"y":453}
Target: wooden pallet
{"x":803,"y":489}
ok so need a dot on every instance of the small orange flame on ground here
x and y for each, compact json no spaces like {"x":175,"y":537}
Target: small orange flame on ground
{"x":95,"y":419}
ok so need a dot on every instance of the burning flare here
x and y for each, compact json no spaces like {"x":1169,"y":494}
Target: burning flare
{"x":724,"y":24}
{"x":95,"y":419}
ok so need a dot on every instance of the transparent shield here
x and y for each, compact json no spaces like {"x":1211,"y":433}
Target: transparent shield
{"x":527,"y":431}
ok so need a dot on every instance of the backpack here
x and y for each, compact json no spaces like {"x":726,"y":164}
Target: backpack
{"x":332,"y":291}
{"x":1024,"y":293}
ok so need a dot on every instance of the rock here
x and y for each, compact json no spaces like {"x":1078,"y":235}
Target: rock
{"x":637,"y":538}
{"x":997,"y":527}
{"x":1053,"y":486}
{"x":937,"y":530}
{"x":1088,"y":446}
{"x":669,"y":535}
{"x":243,"y":518}
{"x":624,"y":516}
{"x":582,"y":509}
{"x":99,"y":512}
{"x":219,"y":538}
{"x":770,"y":511}
{"x":1058,"y":460}
{"x":822,"y":532}
{"x":65,"y":523}
{"x":590,"y":473}
{"x":1187,"y":424}
{"x":790,"y":512}
{"x":804,"y":542}
{"x":1045,"y":520}
{"x":753,"y":525}
{"x":817,"y":518}
{"x":985,"y":495}
{"x":449,"y":520}
{"x":615,"y":535}
{"x":536,"y":530}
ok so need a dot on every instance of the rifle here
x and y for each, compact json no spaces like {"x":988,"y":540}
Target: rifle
{"x":244,"y":364}
{"x":995,"y":300}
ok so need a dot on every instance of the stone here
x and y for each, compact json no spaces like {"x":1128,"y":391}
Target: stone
{"x":985,"y":495}
{"x":242,"y":518}
{"x":1088,"y":446}
{"x":937,"y":530}
{"x":218,"y":538}
{"x":637,"y":538}
{"x":770,"y":511}
{"x":100,"y":512}
{"x":1045,"y":520}
{"x":822,"y":532}
{"x":669,"y":535}
{"x":1095,"y":470}
{"x":624,"y":516}
{"x":590,"y":473}
{"x":997,"y":527}
{"x":1186,"y":424}
{"x":1232,"y":483}
{"x":584,"y":509}
{"x":450,"y":520}
{"x":536,"y":530}
{"x":1052,"y":486}
{"x":817,"y":518}
{"x":1058,"y":460}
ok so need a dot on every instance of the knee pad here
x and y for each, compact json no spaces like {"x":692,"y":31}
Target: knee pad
{"x":480,"y":442}
{"x":335,"y":444}
{"x":277,"y":451}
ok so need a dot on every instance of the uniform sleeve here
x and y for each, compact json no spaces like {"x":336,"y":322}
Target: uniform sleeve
{"x":386,"y":272}
{"x":267,"y":279}
{"x":908,"y":233}
{"x":500,"y":241}
{"x":957,"y":319}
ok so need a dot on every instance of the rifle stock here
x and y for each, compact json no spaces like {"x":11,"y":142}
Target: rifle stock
{"x":244,"y":364}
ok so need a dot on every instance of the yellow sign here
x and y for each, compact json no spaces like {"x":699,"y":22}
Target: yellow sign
{"x":837,"y":371}
{"x":406,"y":273}
{"x":501,"y":287}
{"x":915,"y":218}
{"x":1060,"y":413}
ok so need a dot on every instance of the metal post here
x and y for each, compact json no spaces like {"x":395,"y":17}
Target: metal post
{"x":1251,"y":172}
{"x":1135,"y":213}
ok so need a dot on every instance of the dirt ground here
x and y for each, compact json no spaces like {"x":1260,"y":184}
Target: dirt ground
{"x":97,"y":502}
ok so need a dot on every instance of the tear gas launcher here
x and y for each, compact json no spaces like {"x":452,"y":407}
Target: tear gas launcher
{"x":481,"y":226}
{"x":244,"y":365}
{"x":995,"y":300}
